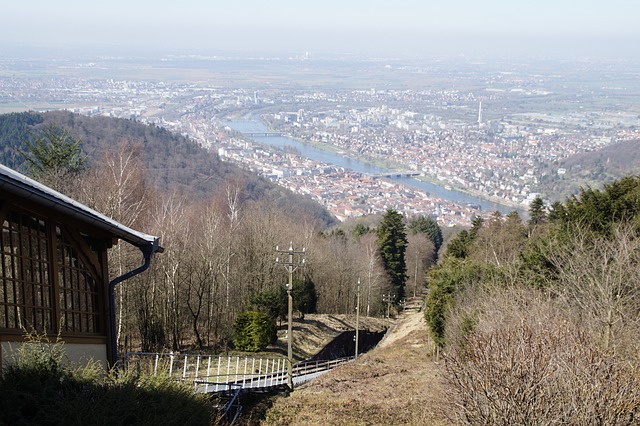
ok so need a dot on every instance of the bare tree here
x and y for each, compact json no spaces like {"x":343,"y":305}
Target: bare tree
{"x":116,"y":187}
{"x":374,"y":277}
{"x":419,"y":255}
{"x":176,"y":235}
{"x":601,"y":279}
{"x":196,"y":284}
{"x":232,"y":193}
{"x":519,"y":358}
{"x":335,"y":274}
{"x":499,"y":242}
{"x":264,"y":228}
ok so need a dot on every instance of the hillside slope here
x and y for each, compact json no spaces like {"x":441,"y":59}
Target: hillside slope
{"x":398,"y":383}
{"x":316,"y":331}
{"x":592,"y":169}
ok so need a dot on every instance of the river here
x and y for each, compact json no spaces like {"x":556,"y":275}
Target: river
{"x":254,"y":125}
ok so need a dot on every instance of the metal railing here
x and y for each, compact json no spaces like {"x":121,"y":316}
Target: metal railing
{"x":213,"y":373}
{"x":233,"y":408}
{"x":308,"y":367}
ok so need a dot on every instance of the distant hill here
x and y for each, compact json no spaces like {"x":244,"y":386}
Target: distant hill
{"x":592,"y":169}
{"x":621,"y":158}
{"x":173,"y":162}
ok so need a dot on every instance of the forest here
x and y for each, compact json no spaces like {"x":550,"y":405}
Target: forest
{"x":172,"y":163}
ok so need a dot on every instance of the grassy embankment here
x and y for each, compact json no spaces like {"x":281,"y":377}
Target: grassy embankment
{"x":397,"y":383}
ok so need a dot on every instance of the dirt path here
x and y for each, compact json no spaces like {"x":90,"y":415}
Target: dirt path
{"x":402,"y":328}
{"x":395,"y":384}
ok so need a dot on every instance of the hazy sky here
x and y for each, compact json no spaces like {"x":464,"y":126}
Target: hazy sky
{"x":411,"y":26}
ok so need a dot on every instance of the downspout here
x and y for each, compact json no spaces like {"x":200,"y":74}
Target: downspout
{"x":147,"y":252}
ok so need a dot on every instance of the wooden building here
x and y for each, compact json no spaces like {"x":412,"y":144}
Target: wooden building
{"x":54,"y":274}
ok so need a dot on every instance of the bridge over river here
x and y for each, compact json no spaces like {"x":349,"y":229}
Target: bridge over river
{"x":394,"y":174}
{"x":265,"y":134}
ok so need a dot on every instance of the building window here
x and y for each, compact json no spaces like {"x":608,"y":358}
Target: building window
{"x":79,"y":290}
{"x":48,"y":283}
{"x":25,"y":289}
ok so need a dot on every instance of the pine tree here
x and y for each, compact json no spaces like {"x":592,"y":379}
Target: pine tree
{"x":537,"y":212}
{"x":360,"y":230}
{"x":305,"y":297}
{"x":428,"y":226}
{"x":557,"y":212}
{"x":476,"y":224}
{"x":54,"y":158}
{"x":272,"y":302}
{"x":458,"y":247}
{"x":254,"y":331}
{"x":392,"y":244}
{"x":601,"y":210}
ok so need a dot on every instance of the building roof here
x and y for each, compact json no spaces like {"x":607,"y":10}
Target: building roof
{"x":27,"y":188}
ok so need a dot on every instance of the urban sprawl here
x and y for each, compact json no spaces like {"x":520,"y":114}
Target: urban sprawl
{"x":471,"y":140}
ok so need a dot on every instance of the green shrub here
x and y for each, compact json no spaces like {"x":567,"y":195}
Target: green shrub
{"x":445,"y":283}
{"x":39,"y":387}
{"x":254,"y":331}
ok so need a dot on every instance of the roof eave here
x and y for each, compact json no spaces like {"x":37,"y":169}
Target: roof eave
{"x":27,"y":188}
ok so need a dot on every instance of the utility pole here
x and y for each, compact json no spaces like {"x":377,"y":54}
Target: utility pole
{"x":294,"y":259}
{"x":357,"y":317}
{"x":388,"y":299}
{"x":415,"y":277}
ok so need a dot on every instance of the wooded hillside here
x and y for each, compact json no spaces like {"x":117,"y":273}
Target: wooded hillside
{"x":171,"y":162}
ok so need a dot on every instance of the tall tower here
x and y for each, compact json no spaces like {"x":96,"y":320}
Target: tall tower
{"x":480,"y":113}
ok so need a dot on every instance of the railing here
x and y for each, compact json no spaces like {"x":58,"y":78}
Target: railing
{"x":309,"y":367}
{"x":214,"y":373}
{"x":233,"y":408}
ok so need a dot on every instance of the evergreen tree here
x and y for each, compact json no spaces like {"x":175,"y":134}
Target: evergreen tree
{"x":392,"y":244}
{"x":537,"y":212}
{"x":337,"y":233}
{"x":445,"y":282}
{"x":254,"y":331}
{"x":476,"y":224}
{"x":428,"y":226}
{"x":514,"y":217}
{"x":557,"y":212}
{"x":272,"y":302}
{"x":54,"y":157}
{"x":458,"y":247}
{"x":360,"y":230}
{"x":305,"y":298}
{"x":600,"y":211}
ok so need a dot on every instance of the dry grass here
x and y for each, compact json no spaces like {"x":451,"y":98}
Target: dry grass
{"x":397,"y":383}
{"x":318,"y":330}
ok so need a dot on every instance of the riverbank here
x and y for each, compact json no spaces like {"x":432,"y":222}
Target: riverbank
{"x":422,"y":177}
{"x":331,"y":155}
